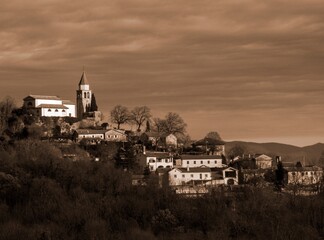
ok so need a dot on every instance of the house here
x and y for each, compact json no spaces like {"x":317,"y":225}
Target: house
{"x":49,"y":106}
{"x":203,"y":176}
{"x":115,"y":135}
{"x":185,"y":176}
{"x":263,"y":161}
{"x":304,"y":175}
{"x":199,"y":160}
{"x":170,"y":140}
{"x":155,"y":160}
{"x":156,"y":139}
{"x":211,"y":146}
{"x":94,"y":136}
{"x":224,"y":176}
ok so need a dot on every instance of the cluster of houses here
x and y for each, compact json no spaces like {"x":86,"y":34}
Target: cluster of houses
{"x":197,"y":174}
{"x":191,"y":172}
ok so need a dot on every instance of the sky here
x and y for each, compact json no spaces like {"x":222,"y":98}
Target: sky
{"x":251,"y":70}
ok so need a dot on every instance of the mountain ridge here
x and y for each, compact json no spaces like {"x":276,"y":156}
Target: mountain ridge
{"x":312,"y":154}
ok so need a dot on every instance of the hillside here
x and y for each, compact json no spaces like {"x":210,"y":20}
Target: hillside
{"x":289,"y":153}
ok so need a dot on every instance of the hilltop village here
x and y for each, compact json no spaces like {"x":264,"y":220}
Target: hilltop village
{"x":67,"y":173}
{"x":159,"y":148}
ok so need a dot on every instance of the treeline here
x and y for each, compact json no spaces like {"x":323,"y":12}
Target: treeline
{"x":43,"y":196}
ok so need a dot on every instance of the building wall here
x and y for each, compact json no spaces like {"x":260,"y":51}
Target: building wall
{"x":53,"y":112}
{"x":176,"y":177}
{"x":47,"y":101}
{"x":155,"y":162}
{"x":70,"y":112}
{"x":114,"y":136}
{"x":90,"y":135}
{"x":212,"y":163}
{"x":304,"y":177}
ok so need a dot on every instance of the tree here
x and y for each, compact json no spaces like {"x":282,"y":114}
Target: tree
{"x":213,"y":135}
{"x":280,"y":176}
{"x":7,"y":105}
{"x":172,"y":123}
{"x":237,"y":150}
{"x":139,"y":115}
{"x":120,"y":115}
{"x":148,"y":126}
{"x":94,"y":106}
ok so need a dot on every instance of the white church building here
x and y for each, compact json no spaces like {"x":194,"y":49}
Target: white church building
{"x":49,"y":106}
{"x":54,"y":106}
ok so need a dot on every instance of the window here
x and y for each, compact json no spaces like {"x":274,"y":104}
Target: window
{"x":88,"y":94}
{"x":191,"y":175}
{"x":29,"y":104}
{"x":187,"y":162}
{"x":200,"y":175}
{"x":208,"y":162}
{"x":85,"y":95}
{"x":206,"y":175}
{"x":194,"y":162}
{"x":183,"y":176}
{"x":215,"y":162}
{"x":151,"y":160}
{"x":175,"y":175}
{"x":56,"y":110}
{"x":63,"y":110}
{"x":49,"y":110}
{"x":202,"y":162}
{"x":230,"y":174}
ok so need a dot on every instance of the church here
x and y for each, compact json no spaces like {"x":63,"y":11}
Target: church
{"x":54,"y":106}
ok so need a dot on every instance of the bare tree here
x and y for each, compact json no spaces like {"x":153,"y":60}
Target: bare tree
{"x":120,"y":115}
{"x":139,"y":115}
{"x":173,"y":123}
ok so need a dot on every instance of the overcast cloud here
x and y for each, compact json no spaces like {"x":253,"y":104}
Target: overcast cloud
{"x":248,"y":69}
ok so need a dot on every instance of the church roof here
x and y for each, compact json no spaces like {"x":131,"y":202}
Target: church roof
{"x":52,"y":106}
{"x":42,"y":97}
{"x":83,"y":80}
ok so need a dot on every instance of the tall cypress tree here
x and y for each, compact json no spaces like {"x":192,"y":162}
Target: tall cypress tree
{"x":94,"y":106}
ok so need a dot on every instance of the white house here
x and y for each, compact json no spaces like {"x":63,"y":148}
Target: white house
{"x":110,"y":135}
{"x":155,"y":160}
{"x":263,"y":161}
{"x":115,"y":135}
{"x":183,"y":176}
{"x":194,"y":161}
{"x":304,"y":175}
{"x":49,"y":106}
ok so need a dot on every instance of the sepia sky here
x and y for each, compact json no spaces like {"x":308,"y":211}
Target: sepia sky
{"x":251,"y":70}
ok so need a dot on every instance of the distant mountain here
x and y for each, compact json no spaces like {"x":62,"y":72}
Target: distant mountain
{"x":313,"y":154}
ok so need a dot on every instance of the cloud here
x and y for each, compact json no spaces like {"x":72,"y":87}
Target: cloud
{"x":187,"y":56}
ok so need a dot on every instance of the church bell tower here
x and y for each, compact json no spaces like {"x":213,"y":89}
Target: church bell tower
{"x":83,"y":96}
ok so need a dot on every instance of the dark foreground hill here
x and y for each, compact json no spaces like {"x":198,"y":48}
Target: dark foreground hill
{"x":313,"y":154}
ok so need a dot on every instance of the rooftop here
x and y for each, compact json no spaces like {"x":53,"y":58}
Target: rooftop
{"x":42,"y":97}
{"x":52,"y":106}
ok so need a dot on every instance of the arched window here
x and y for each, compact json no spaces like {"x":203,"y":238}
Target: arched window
{"x":63,"y":110}
{"x":49,"y":110}
{"x":56,"y":110}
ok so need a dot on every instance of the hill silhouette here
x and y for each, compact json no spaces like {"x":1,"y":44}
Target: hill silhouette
{"x":313,"y":154}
